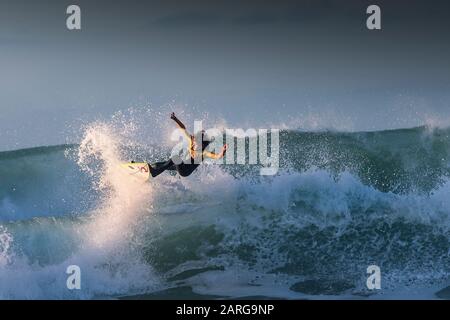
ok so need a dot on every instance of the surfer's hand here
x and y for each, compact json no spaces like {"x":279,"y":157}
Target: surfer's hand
{"x":172,"y":116}
{"x":224,"y":149}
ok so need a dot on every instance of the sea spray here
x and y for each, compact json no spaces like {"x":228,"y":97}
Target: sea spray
{"x":123,"y":198}
{"x":99,"y":241}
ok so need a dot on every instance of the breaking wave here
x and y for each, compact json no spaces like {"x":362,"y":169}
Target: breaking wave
{"x":339,"y":203}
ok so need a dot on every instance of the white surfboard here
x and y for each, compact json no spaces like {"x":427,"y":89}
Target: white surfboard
{"x":138,"y":170}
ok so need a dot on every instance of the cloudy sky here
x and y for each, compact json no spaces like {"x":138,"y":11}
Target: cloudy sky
{"x":302,"y":64}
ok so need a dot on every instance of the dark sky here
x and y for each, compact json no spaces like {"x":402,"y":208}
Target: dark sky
{"x":307,"y":64}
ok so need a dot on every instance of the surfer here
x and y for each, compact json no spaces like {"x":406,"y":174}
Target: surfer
{"x":196,"y":152}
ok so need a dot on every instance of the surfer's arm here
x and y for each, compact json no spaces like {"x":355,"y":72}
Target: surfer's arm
{"x":180,"y":125}
{"x":216,"y":156}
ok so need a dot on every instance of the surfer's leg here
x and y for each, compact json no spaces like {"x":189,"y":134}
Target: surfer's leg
{"x":159,"y":167}
{"x":161,"y":164}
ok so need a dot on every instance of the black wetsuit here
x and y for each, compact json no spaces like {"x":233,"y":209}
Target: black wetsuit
{"x":183,"y":169}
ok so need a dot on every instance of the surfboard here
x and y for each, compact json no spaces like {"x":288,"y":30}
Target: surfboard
{"x":138,"y":170}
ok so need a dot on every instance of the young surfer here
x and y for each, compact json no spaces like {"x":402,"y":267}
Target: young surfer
{"x":196,"y":151}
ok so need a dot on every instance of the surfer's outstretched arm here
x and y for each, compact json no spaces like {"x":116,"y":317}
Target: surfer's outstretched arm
{"x":216,"y":156}
{"x":180,"y":125}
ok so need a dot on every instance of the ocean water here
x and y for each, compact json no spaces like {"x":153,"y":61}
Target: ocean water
{"x":339,"y":203}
